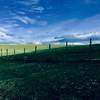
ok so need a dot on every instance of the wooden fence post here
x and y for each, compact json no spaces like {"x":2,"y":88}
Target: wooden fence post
{"x":66,"y":44}
{"x":49,"y":46}
{"x":35,"y":49}
{"x":1,"y":52}
{"x":90,"y":49}
{"x":14,"y":52}
{"x":24,"y":51}
{"x":6,"y":52}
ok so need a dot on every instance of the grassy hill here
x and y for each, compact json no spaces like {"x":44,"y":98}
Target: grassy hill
{"x":43,"y":80}
{"x":19,"y":48}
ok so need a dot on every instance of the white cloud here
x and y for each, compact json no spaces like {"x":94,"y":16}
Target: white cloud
{"x":9,"y":23}
{"x":72,"y":29}
{"x":5,"y":38}
{"x":21,"y":12}
{"x":86,"y":35}
{"x":38,"y":9}
{"x":83,"y":36}
{"x":28,"y":20}
{"x":25,"y":19}
{"x":33,"y":4}
{"x":88,"y":24}
{"x":76,"y":43}
{"x":91,"y":24}
{"x":28,"y":2}
{"x":2,"y":29}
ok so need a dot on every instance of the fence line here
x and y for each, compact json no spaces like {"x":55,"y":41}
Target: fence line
{"x":49,"y":47}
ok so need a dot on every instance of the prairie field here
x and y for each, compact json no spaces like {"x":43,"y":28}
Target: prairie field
{"x":59,"y":73}
{"x":19,"y":48}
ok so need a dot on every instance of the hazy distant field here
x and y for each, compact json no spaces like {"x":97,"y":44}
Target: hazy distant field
{"x":28,"y":48}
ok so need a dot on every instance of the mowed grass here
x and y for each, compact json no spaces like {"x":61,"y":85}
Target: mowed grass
{"x":52,"y":81}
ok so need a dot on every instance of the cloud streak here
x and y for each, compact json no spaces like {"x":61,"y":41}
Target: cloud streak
{"x":43,"y":21}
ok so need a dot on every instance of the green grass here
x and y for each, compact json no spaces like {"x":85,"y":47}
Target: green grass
{"x":58,"y":53}
{"x":51,"y":81}
{"x":20,"y":48}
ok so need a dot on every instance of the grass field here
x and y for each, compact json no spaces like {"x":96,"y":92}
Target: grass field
{"x":29,"y":48}
{"x":51,"y":81}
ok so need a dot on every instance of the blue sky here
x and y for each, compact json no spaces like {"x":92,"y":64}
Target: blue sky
{"x":35,"y":21}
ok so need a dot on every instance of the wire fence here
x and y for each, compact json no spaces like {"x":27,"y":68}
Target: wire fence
{"x":14,"y":50}
{"x":90,"y":51}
